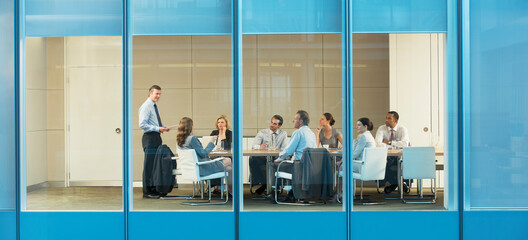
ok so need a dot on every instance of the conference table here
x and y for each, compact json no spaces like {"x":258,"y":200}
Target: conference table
{"x":334,"y":153}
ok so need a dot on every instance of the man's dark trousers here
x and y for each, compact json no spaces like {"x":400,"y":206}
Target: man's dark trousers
{"x":151,"y":141}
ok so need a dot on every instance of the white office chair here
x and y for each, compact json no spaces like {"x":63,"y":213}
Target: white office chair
{"x":283,"y":176}
{"x":185,"y":155}
{"x":371,"y":168}
{"x":418,"y":163}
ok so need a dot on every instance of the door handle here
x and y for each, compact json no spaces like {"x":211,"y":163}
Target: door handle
{"x":118,"y":130}
{"x":425,"y":129}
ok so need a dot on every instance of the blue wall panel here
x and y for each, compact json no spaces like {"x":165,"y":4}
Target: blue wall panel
{"x":399,"y":16}
{"x":73,"y":18}
{"x":498,"y":94}
{"x":291,"y":16}
{"x":292,"y":225}
{"x":509,"y":225}
{"x":430,"y":225}
{"x":7,"y":111}
{"x":190,"y":17}
{"x":181,"y":225}
{"x":7,"y":225}
{"x":72,"y":225}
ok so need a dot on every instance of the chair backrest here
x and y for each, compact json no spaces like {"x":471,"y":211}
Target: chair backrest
{"x":418,"y":162}
{"x":375,"y":163}
{"x":187,"y":160}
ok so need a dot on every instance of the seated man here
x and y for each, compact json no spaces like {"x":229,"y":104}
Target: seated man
{"x":302,"y":138}
{"x":393,"y":135}
{"x":272,"y":138}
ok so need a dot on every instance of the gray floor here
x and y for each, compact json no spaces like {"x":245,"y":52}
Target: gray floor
{"x":109,"y":198}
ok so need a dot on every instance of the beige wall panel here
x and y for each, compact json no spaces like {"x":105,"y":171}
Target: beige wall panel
{"x":36,"y":115}
{"x":55,"y":62}
{"x":250,"y":101}
{"x":371,"y":60}
{"x":290,"y":61}
{"x":36,"y":63}
{"x":211,"y":60}
{"x":286,"y":102}
{"x":162,"y":60}
{"x":55,"y":107}
{"x":94,"y":51}
{"x":250,"y":132}
{"x":208,"y":104}
{"x":37,"y":167}
{"x":173,"y":105}
{"x":56,"y":155}
{"x":332,"y":74}
{"x":372,"y":103}
{"x":333,"y":103}
{"x":250,"y":61}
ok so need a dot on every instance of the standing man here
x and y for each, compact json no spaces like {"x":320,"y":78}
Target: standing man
{"x":395,"y":135}
{"x":150,"y":124}
{"x":272,"y":138}
{"x":302,"y":138}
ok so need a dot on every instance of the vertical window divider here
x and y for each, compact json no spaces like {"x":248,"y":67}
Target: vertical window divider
{"x":127,"y":116}
{"x":236,"y":41}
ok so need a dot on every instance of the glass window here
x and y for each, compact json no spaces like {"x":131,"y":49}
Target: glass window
{"x":283,"y":74}
{"x":194,"y":74}
{"x":498,"y":157}
{"x":73,"y":123}
{"x":403,"y":73}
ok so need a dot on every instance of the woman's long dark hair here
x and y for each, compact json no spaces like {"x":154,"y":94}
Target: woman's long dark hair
{"x":184,"y":130}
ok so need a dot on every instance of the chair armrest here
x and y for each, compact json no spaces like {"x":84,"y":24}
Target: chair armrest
{"x":211,"y":161}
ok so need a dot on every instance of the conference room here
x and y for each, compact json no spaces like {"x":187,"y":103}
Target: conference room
{"x":71,"y":80}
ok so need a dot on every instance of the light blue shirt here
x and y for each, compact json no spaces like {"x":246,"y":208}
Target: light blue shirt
{"x":366,"y":140}
{"x":148,"y":121}
{"x":300,"y":139}
{"x":268,"y":137}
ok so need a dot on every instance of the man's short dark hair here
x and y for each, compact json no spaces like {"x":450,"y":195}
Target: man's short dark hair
{"x":154,"y":87}
{"x":278,"y":117}
{"x":395,"y":114}
{"x":303,"y":115}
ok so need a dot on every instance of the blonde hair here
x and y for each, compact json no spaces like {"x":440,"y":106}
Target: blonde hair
{"x":184,"y":130}
{"x":225,"y":119}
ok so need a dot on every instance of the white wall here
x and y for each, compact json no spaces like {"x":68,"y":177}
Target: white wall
{"x":417,"y":72}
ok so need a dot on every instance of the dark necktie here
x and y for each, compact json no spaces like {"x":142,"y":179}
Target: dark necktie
{"x":157,"y":115}
{"x":392,"y":135}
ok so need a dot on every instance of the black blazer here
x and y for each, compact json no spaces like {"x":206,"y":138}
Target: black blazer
{"x":227,"y":141}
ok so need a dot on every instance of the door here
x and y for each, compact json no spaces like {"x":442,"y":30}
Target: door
{"x":94,"y":136}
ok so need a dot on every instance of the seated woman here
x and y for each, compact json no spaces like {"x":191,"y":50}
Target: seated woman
{"x":186,"y":140}
{"x":365,"y":140}
{"x":225,"y":136}
{"x":326,"y":134}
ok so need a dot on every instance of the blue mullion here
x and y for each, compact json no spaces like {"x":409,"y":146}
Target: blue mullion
{"x":465,"y":106}
{"x":237,"y":49}
{"x":346,"y":83}
{"x":127,"y":190}
{"x":18,"y":133}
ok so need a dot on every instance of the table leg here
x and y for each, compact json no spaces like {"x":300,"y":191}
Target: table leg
{"x":268,"y":174}
{"x":400,"y":181}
